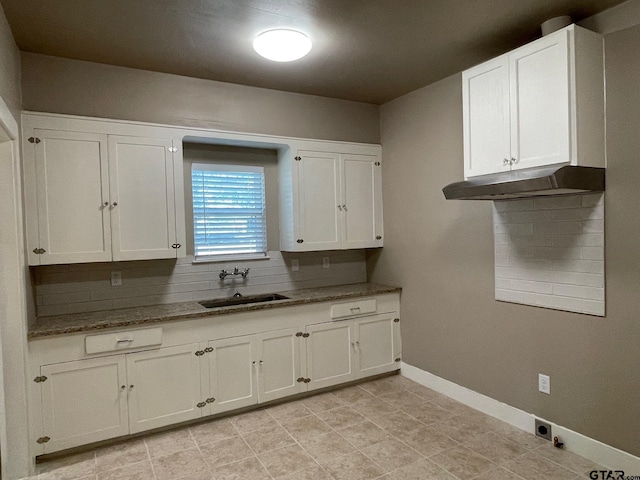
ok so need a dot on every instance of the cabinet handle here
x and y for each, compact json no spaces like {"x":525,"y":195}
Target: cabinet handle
{"x":513,"y":160}
{"x":123,"y":388}
{"x":130,"y":387}
{"x":353,"y":345}
{"x":105,"y":204}
{"x":253,"y":363}
{"x":344,"y":207}
{"x":506,"y":161}
{"x":126,"y":340}
{"x":114,"y":204}
{"x":261,"y":362}
{"x":340,"y":207}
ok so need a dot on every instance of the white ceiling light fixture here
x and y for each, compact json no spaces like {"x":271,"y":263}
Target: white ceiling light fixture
{"x":282,"y":45}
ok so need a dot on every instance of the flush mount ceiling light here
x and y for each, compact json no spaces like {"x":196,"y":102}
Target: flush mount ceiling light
{"x":282,"y":45}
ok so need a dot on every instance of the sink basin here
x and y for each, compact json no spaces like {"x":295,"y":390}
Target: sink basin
{"x":228,"y":302}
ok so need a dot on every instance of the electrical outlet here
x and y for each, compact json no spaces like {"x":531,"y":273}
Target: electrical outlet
{"x":544,"y":384}
{"x":116,"y":279}
{"x":543,"y":429}
{"x":325,"y":262}
{"x":295,"y":265}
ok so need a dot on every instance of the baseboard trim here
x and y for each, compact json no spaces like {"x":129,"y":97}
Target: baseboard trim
{"x":594,"y":450}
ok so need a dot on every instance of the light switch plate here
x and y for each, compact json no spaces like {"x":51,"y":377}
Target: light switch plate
{"x":544,"y":384}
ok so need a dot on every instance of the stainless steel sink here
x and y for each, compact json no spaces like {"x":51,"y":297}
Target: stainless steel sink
{"x":228,"y":302}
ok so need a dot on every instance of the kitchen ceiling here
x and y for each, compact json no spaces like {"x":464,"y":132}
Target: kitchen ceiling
{"x":364,"y":50}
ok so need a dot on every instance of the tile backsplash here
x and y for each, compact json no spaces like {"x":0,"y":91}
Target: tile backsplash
{"x":549,"y":252}
{"x":74,"y":288}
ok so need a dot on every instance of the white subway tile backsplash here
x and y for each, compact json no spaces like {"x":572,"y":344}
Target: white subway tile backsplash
{"x":549,"y":252}
{"x":86,"y":287}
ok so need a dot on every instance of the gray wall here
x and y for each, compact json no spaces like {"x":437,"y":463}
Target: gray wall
{"x":9,"y":68}
{"x":58,"y":85}
{"x":441,"y":253}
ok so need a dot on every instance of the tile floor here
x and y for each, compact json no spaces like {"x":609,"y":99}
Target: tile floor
{"x":386,"y":429}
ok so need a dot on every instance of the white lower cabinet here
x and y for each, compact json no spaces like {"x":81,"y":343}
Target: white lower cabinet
{"x":346,"y":350}
{"x":163,"y":387}
{"x":82,"y":401}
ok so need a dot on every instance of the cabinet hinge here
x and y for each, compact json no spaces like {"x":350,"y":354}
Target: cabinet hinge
{"x":299,"y":334}
{"x":199,"y":353}
{"x":305,"y":335}
{"x":39,"y":251}
{"x":307,"y":380}
{"x":398,"y":359}
{"x":300,"y":380}
{"x":34,"y":140}
{"x":208,"y":350}
{"x":300,"y":240}
{"x":42,"y":440}
{"x":298,"y":159}
{"x":378,"y":237}
{"x":210,"y":400}
{"x":377,"y":164}
{"x":40,"y":379}
{"x":176,"y":245}
{"x":201,"y":404}
{"x":396,"y":320}
{"x":173,"y":149}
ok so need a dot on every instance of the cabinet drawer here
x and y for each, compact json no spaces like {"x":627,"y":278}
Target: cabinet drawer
{"x":350,"y":309}
{"x":110,"y":342}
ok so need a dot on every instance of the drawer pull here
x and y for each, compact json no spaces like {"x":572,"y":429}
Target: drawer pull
{"x":126,"y":340}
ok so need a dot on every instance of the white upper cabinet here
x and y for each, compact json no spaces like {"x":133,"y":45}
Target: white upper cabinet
{"x":542,"y":104}
{"x":95,"y":197}
{"x":336,"y":202}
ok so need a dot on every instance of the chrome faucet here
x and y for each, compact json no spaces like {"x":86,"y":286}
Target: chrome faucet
{"x":236,"y":271}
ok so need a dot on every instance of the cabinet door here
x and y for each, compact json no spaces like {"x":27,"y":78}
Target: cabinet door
{"x":279,"y":364}
{"x":232,"y":374}
{"x":72,"y":187}
{"x":330,"y":350}
{"x":143,"y":216}
{"x":84,"y":402}
{"x":362,"y":201}
{"x":376,"y":345}
{"x":540,"y":122}
{"x":485,"y":109}
{"x":163,"y":386}
{"x":318,"y":200}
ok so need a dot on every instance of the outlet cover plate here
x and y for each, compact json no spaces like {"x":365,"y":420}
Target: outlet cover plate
{"x":543,"y":429}
{"x":544,"y":384}
{"x":116,"y":279}
{"x":325,"y":262}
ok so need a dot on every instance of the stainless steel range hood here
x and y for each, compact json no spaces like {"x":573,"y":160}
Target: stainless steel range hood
{"x":538,"y":182}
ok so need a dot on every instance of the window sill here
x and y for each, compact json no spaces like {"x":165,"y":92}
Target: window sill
{"x":230,"y":258}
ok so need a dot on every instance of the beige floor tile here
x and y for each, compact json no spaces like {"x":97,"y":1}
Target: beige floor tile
{"x":198,"y":476}
{"x":351,"y":395}
{"x":248,"y":422}
{"x":421,"y":470}
{"x":326,"y":446}
{"x":268,"y":438}
{"x":68,"y":468}
{"x":363,"y":434}
{"x":398,"y":381}
{"x":314,"y":473}
{"x":453,"y":406}
{"x":289,"y":410}
{"x":569,"y":460}
{"x":249,"y":469}
{"x":462,"y":462}
{"x":213,"y":431}
{"x":401,"y":398}
{"x":341,"y":417}
{"x":428,"y":413}
{"x":498,"y":474}
{"x":355,"y":466}
{"x":286,"y":461}
{"x":462,"y":428}
{"x":322,"y":402}
{"x":380,"y":387}
{"x":496,"y":448}
{"x":428,"y":441}
{"x":373,"y":406}
{"x":225,"y":451}
{"x":306,"y":427}
{"x":424,"y":392}
{"x":170,"y":442}
{"x":532,"y":466}
{"x":179,"y":464}
{"x":120,"y":454}
{"x":391,"y":454}
{"x":132,"y":471}
{"x":522,"y":438}
{"x":396,"y":423}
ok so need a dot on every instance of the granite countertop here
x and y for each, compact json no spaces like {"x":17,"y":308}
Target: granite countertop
{"x":126,"y":317}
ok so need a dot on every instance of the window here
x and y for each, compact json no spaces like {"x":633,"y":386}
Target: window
{"x":228,"y":210}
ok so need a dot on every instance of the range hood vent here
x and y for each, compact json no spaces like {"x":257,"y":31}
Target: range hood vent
{"x":538,"y":182}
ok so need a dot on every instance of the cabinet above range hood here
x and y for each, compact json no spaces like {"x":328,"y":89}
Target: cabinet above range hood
{"x":557,"y":180}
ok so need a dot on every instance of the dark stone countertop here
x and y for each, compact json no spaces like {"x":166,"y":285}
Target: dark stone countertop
{"x":127,"y":317}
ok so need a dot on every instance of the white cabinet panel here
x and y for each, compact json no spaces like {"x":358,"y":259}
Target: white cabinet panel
{"x":330,"y":349}
{"x":163,"y":386}
{"x":84,"y":402}
{"x":485,"y":97}
{"x":279,"y":364}
{"x":539,"y":76}
{"x":232,"y":373}
{"x":376,"y":345}
{"x":142,"y":198}
{"x":72,"y":189}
